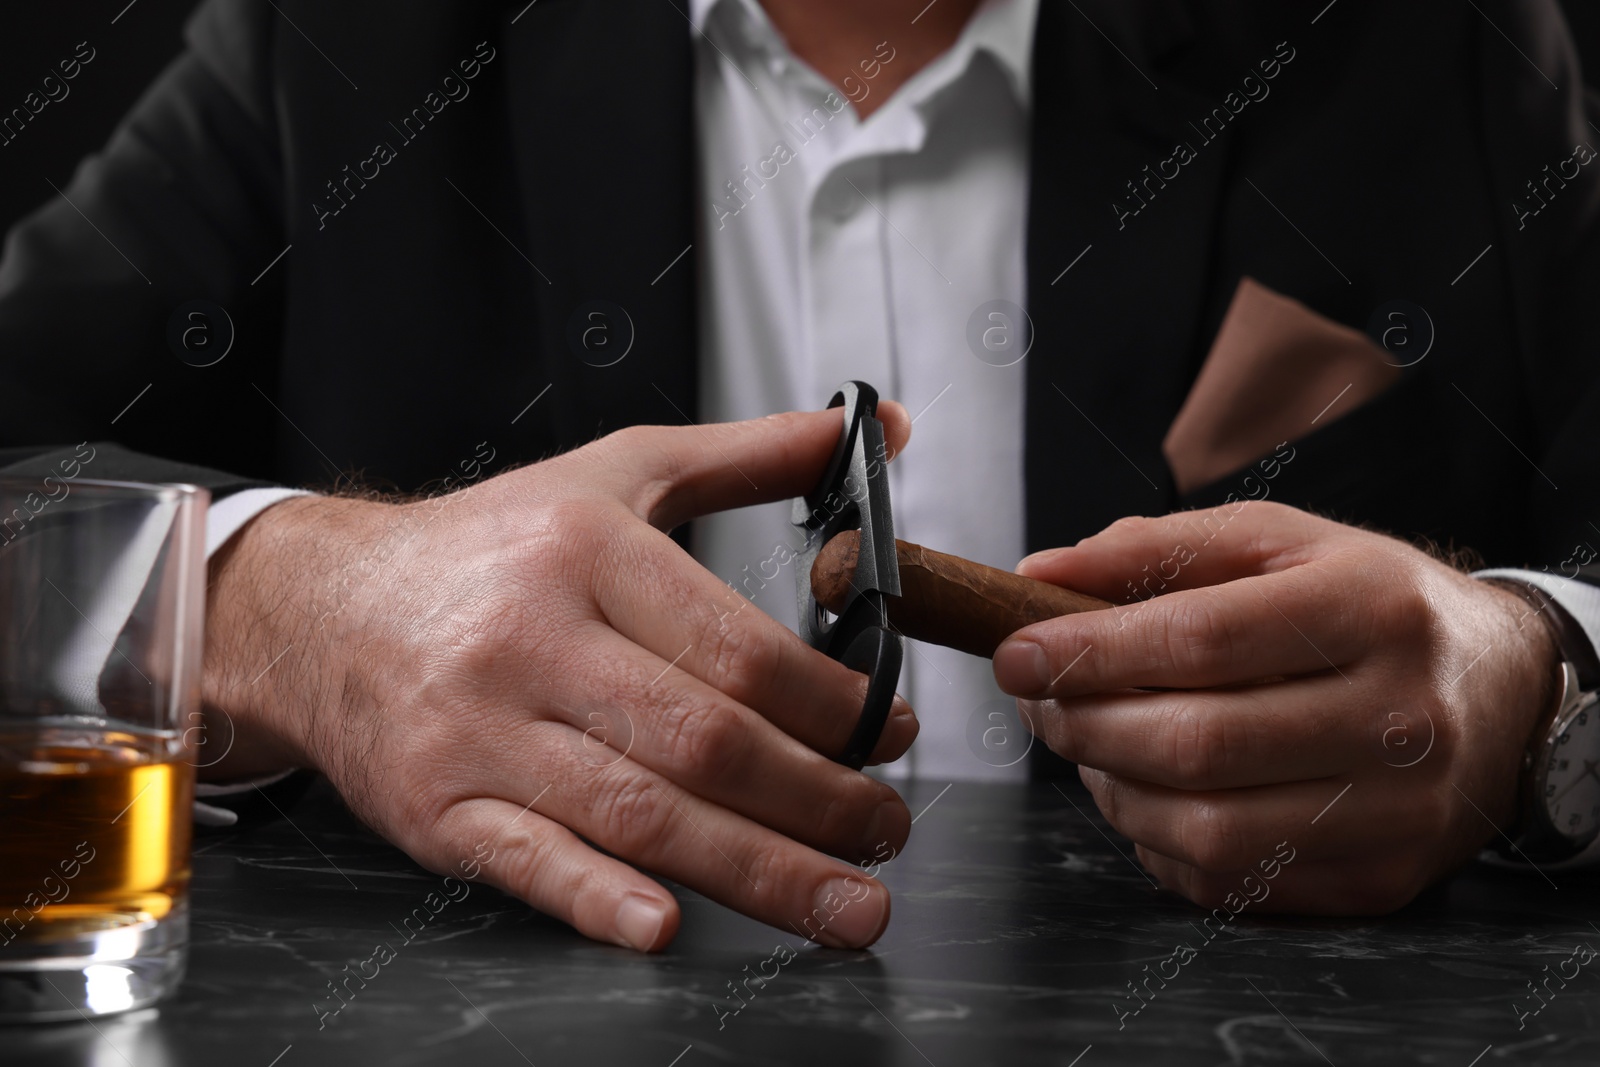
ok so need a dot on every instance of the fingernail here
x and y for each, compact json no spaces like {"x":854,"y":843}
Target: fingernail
{"x":1020,"y":668}
{"x":639,"y":922}
{"x":849,"y":913}
{"x":1037,"y":557}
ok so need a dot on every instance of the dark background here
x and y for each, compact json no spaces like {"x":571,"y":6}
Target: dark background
{"x":145,"y":37}
{"x":129,"y":55}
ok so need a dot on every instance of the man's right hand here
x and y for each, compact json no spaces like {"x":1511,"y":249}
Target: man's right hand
{"x":536,"y":665}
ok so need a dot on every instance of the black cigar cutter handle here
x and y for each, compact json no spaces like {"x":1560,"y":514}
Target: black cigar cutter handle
{"x":854,"y":495}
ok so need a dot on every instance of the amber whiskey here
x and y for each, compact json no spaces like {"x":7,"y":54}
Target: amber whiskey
{"x":94,"y":830}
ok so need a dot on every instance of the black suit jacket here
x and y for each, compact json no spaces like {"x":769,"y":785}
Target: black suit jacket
{"x":396,"y":335}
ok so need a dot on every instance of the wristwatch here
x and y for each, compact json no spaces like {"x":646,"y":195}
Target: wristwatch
{"x":1559,"y":791}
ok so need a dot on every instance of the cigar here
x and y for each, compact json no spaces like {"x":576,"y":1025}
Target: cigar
{"x":946,"y":599}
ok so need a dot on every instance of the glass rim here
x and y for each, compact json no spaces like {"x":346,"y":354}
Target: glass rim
{"x":105,"y":487}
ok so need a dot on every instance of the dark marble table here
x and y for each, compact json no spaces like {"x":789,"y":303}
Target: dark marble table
{"x":1017,"y":928}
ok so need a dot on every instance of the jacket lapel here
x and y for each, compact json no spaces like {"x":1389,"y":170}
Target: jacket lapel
{"x":602,"y":124}
{"x":1115,"y":294}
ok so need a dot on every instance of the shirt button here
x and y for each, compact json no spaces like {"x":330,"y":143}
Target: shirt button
{"x":839,"y":202}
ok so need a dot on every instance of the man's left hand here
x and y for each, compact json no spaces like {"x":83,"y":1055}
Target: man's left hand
{"x":1296,"y":680}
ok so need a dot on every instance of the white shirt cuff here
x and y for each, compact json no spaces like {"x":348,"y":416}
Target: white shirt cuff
{"x":1578,"y":598}
{"x":224,"y":518}
{"x":227,"y":516}
{"x":1582,"y":601}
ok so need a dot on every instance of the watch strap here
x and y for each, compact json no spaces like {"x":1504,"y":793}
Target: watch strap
{"x":1578,"y":657}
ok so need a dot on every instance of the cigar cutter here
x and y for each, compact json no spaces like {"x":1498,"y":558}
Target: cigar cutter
{"x":854,"y":495}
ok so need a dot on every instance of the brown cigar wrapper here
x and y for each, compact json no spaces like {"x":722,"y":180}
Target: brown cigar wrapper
{"x":948,"y":600}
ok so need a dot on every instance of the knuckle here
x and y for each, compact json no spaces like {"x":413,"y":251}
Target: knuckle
{"x":898,"y":735}
{"x":422,"y":807}
{"x":1200,"y":746}
{"x":524,"y":856}
{"x":1201,"y":634}
{"x":1131,"y":524}
{"x":1048,"y":721}
{"x":848,"y":812}
{"x":1107,"y":797}
{"x":625,"y":444}
{"x":740,"y":659}
{"x":1210,"y":837}
{"x":475,"y":644}
{"x":634,"y":456}
{"x":461,"y":676}
{"x":707,"y":740}
{"x":837,"y":819}
{"x":771,"y":873}
{"x":1408,"y":612}
{"x":639,"y":453}
{"x":578,"y":538}
{"x":629,"y":815}
{"x":1260,"y":514}
{"x":1128,"y":527}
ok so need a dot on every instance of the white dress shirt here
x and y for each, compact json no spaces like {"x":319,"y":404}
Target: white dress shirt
{"x":863,"y":250}
{"x":836,"y":249}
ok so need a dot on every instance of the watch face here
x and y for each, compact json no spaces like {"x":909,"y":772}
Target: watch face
{"x":1571,"y":776}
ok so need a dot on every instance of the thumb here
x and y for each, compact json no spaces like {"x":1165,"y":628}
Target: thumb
{"x":678,"y":473}
{"x":1140,"y":557}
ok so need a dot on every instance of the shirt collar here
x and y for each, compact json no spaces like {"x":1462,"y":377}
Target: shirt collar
{"x":1003,"y":28}
{"x":698,"y":11}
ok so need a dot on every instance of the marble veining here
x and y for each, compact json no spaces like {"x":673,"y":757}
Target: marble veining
{"x":1019,"y":935}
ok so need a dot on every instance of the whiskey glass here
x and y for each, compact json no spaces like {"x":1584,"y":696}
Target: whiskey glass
{"x":102,"y":595}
